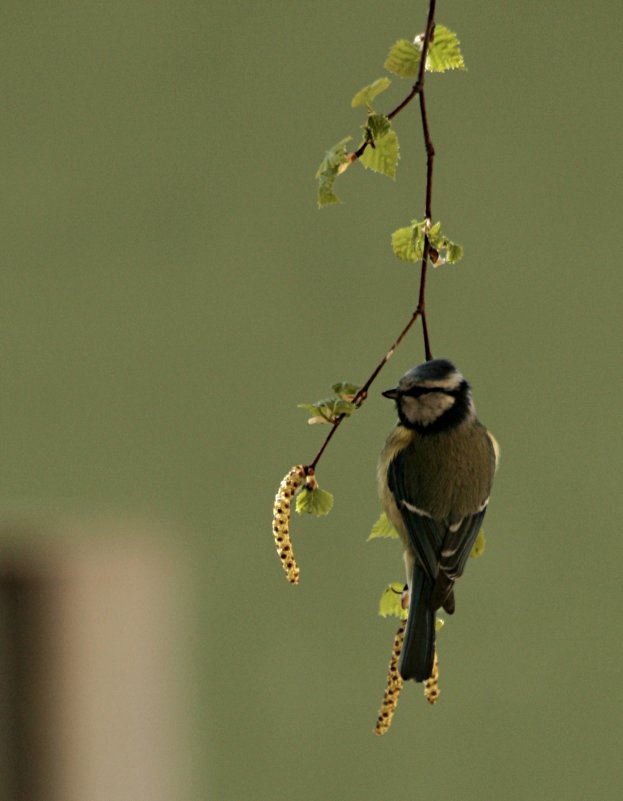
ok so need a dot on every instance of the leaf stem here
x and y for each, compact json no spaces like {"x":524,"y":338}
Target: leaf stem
{"x":420,"y":311}
{"x":422,"y":299}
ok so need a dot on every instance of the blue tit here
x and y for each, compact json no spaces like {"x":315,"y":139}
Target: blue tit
{"x":434,"y":477}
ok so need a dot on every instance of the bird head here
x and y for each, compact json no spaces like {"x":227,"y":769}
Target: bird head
{"x":432,"y":397}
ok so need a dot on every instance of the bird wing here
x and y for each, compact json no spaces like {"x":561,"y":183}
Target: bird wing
{"x":458,"y":543}
{"x":455,"y":550}
{"x":426,"y":535}
{"x":441,"y":548}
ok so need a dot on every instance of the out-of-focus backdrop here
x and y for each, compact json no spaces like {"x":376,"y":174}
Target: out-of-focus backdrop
{"x":169,"y":292}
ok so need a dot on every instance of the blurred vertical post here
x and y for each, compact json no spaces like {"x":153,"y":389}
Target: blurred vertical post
{"x":92,"y":670}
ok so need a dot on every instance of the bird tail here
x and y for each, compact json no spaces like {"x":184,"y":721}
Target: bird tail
{"x":418,"y":648}
{"x":443,"y":592}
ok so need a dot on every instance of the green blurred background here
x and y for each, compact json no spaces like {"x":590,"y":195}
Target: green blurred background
{"x":170,"y":292}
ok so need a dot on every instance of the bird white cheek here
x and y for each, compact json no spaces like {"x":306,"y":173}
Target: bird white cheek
{"x":427,"y":408}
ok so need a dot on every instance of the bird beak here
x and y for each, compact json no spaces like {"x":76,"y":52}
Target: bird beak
{"x":392,"y":394}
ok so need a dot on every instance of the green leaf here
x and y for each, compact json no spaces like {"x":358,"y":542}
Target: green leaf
{"x":408,"y":242}
{"x":479,"y":546}
{"x":342,"y":406}
{"x":447,"y":252}
{"x":328,"y":171}
{"x":383,"y":150}
{"x":316,"y":502}
{"x":435,"y":231}
{"x":365,"y":96}
{"x":402,"y":243}
{"x":455,"y":253}
{"x":444,"y":51}
{"x":383,"y":528}
{"x":345,"y":390}
{"x":329,"y":409}
{"x":390,"y":602}
{"x":403,"y":59}
{"x":318,"y":413}
{"x":376,"y":127}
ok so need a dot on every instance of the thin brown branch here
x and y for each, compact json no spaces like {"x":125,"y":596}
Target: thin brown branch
{"x":430,"y":155}
{"x":363,"y":392}
{"x":420,"y":311}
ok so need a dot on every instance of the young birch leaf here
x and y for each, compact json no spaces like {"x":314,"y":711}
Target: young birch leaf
{"x":318,"y":413}
{"x":455,"y":253}
{"x":479,"y":546}
{"x":390,"y":602}
{"x":444,"y":52}
{"x":383,"y":528}
{"x":383,"y":157}
{"x":329,"y":409}
{"x":345,"y":390}
{"x":342,"y":406}
{"x":403,"y":59}
{"x":402,"y":244}
{"x":377,"y":126}
{"x":328,"y":171}
{"x":383,"y":151}
{"x":408,"y":243}
{"x":316,"y":502}
{"x":434,"y":232}
{"x":365,"y":96}
{"x":444,"y":251}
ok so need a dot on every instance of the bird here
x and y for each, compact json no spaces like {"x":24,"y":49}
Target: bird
{"x":434,"y":479}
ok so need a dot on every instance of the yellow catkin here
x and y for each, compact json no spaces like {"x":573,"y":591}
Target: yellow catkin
{"x":431,"y":685}
{"x":394,"y":685}
{"x":281,"y":521}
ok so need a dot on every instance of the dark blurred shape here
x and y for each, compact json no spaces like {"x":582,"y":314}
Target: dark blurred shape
{"x":24,"y":599}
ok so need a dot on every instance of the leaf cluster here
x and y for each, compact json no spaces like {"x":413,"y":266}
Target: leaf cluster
{"x":330,"y":409}
{"x":444,"y":53}
{"x":379,"y":150}
{"x":408,"y":244}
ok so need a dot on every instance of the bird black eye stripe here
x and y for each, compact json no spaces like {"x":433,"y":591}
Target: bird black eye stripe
{"x":416,"y":392}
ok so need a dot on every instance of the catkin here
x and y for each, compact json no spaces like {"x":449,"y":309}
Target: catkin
{"x":394,"y":685}
{"x":281,"y":521}
{"x":431,"y":685}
